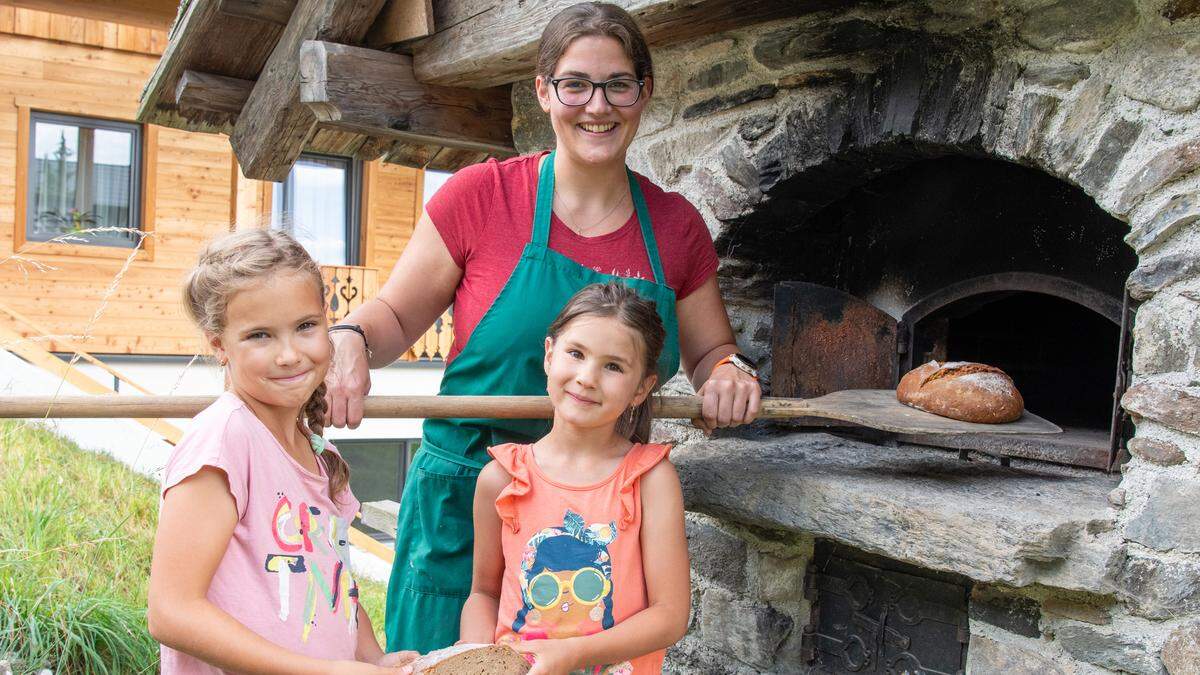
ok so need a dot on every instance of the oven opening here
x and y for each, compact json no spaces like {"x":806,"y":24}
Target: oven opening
{"x":1061,"y":355}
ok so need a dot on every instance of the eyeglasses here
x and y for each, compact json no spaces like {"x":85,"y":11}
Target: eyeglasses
{"x":588,"y":586}
{"x":620,"y":92}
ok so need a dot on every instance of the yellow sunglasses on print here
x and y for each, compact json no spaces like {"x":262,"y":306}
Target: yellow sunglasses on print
{"x":587,"y":585}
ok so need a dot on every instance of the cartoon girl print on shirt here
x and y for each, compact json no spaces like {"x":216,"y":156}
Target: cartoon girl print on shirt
{"x":566,"y":583}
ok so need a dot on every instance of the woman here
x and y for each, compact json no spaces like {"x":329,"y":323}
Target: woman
{"x":509,"y":243}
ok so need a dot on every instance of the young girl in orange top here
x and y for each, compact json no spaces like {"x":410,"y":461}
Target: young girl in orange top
{"x":580,"y":554}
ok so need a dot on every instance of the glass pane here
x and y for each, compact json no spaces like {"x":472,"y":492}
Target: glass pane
{"x":81,"y":178}
{"x":316,"y":209}
{"x":53,"y":175}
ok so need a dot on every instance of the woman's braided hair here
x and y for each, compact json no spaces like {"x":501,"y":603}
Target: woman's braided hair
{"x":234,"y":262}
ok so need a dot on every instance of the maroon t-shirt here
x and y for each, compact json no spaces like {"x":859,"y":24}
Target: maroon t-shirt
{"x":484,"y":214}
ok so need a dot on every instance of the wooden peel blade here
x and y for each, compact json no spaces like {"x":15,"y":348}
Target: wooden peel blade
{"x":874,"y":408}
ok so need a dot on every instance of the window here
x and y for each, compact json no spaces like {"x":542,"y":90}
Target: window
{"x":319,"y":205}
{"x":377,"y":466}
{"x":83,"y":174}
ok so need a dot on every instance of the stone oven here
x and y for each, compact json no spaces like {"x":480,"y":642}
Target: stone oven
{"x":1010,"y":181}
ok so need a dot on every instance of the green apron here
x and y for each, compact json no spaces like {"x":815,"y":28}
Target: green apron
{"x":431,"y":575}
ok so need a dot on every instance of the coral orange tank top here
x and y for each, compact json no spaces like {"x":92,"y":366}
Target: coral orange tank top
{"x":573,"y":553}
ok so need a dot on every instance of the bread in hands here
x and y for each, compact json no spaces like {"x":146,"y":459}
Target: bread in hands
{"x":472,"y":659}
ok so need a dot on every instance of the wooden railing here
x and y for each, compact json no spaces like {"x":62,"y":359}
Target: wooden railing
{"x":347,"y":287}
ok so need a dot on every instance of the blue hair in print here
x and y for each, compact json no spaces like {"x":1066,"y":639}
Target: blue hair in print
{"x":572,"y":547}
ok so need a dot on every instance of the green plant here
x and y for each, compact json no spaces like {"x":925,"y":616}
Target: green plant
{"x":75,"y":543}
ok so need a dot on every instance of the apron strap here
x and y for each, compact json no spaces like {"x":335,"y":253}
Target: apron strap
{"x":643,"y":216}
{"x":544,"y":206}
{"x":545,"y":203}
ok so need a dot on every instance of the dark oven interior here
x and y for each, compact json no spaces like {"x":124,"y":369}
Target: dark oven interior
{"x":958,"y":258}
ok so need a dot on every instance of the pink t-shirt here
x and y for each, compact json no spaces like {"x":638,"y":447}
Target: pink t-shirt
{"x":573,"y":553}
{"x":286,"y":572}
{"x":484,"y":214}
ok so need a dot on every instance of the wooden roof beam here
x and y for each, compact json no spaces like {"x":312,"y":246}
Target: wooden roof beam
{"x":400,"y":21}
{"x":375,"y":93}
{"x":215,"y":93}
{"x":146,"y":13}
{"x":268,"y":11}
{"x":274,"y":126}
{"x":488,"y":42}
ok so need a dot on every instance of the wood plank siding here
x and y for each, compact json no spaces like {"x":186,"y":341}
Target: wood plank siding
{"x":193,"y":191}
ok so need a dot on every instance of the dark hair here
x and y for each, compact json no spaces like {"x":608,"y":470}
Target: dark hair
{"x":593,"y":18}
{"x":565,"y":553}
{"x":232,"y":263}
{"x":618,"y":301}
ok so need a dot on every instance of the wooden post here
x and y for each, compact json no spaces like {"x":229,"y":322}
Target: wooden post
{"x":274,"y":126}
{"x":374,"y":93}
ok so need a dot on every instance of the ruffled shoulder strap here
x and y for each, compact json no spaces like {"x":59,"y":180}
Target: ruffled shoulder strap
{"x":641,"y":458}
{"x":514,"y":459}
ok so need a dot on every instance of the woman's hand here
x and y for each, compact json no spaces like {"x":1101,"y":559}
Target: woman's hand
{"x":731,"y":397}
{"x":348,"y":380}
{"x":551,"y":657}
{"x":400,"y":660}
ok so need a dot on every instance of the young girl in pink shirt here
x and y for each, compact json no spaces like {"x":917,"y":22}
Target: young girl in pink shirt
{"x":580,"y":556}
{"x":251,"y":567}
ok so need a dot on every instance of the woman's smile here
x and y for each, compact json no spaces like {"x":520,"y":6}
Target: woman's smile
{"x":597,"y":128}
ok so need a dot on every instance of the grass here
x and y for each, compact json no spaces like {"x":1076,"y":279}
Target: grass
{"x":75,"y":542}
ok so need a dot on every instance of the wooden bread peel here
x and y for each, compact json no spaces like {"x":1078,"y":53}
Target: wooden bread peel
{"x":873,"y":408}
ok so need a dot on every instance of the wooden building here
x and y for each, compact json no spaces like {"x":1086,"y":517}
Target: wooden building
{"x":74,"y":156}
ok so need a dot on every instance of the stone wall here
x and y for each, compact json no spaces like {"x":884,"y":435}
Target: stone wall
{"x":1104,"y":95}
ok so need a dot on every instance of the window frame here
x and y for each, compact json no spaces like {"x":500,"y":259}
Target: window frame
{"x":145,"y":187}
{"x":353,"y":199}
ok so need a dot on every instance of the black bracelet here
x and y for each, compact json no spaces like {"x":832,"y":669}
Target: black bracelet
{"x":357,"y":329}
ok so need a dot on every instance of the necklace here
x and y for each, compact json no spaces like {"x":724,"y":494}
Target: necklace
{"x":582,"y":231}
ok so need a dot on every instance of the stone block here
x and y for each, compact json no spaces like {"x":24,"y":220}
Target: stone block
{"x":728,"y":101}
{"x":986,"y":656}
{"x":780,"y":580}
{"x":1161,"y":338}
{"x":795,"y":44}
{"x":1014,"y":613}
{"x":917,"y":506}
{"x":752,"y":127}
{"x":1169,"y":522}
{"x":737,"y":167}
{"x":1036,"y":111}
{"x":1155,"y":451}
{"x":1178,"y":10}
{"x":1181,"y":653}
{"x":717,"y":197}
{"x":720,"y":73}
{"x":1061,"y":75}
{"x":1144,"y":78}
{"x":1080,"y":122}
{"x":1166,"y":166}
{"x":1077,"y":611}
{"x":1156,"y":274}
{"x":749,"y":632}
{"x":1157,"y":589}
{"x":1114,"y":144}
{"x":1117,"y":498}
{"x":1172,"y":406}
{"x":716,"y":554}
{"x":1179,"y":212}
{"x":531,"y":126}
{"x":1109,"y":650}
{"x":1080,"y":26}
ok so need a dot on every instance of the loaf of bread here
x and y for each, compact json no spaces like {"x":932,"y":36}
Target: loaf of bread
{"x":472,"y":659}
{"x":961,"y":390}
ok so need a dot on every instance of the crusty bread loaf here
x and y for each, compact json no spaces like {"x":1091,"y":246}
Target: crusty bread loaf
{"x":961,"y":390}
{"x":472,"y":659}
